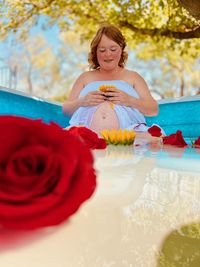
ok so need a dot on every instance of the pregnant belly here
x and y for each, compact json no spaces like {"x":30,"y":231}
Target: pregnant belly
{"x":104,"y":117}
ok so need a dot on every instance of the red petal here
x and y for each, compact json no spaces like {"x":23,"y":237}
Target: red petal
{"x":155,"y":131}
{"x":175,"y":139}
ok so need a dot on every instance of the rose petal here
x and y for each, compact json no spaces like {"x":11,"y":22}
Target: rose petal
{"x":88,"y":137}
{"x":196,"y":143}
{"x":175,"y":139}
{"x":155,"y":131}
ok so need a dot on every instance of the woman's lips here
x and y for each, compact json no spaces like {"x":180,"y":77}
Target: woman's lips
{"x":108,"y":60}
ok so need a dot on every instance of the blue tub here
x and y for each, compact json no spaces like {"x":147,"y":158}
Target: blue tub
{"x":17,"y":103}
{"x":179,"y":114}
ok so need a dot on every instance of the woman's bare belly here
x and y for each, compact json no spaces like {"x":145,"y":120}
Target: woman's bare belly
{"x":104,"y":117}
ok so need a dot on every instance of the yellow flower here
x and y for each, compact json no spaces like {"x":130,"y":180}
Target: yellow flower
{"x":118,"y":137}
{"x":105,"y":88}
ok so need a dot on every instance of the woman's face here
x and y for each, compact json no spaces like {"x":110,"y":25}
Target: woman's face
{"x":108,"y":53}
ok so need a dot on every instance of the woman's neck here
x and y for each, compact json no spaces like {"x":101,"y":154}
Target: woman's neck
{"x":111,"y":73}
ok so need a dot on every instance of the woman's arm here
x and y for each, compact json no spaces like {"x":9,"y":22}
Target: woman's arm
{"x":146,"y":104}
{"x":74,"y":101}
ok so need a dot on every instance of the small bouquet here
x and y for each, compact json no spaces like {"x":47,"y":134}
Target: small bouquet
{"x":118,"y":137}
{"x":105,"y":88}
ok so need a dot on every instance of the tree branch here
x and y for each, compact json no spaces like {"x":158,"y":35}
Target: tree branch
{"x":192,"y":6}
{"x":195,"y":33}
{"x":34,"y":10}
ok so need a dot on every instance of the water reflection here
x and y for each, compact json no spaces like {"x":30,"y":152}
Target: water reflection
{"x":134,"y":219}
{"x":181,"y":247}
{"x":171,"y":157}
{"x":167,"y":197}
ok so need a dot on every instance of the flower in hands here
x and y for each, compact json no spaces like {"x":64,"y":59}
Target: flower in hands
{"x":116,"y":96}
{"x":93,"y":98}
{"x":107,"y":88}
{"x":46,"y":173}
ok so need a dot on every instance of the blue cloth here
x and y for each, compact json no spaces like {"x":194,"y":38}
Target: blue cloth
{"x":129,"y":118}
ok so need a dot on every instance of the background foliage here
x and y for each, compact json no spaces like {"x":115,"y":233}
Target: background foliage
{"x":163,"y":31}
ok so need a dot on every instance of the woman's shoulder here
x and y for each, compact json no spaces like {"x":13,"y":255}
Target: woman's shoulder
{"x":132,"y":73}
{"x":131,"y":76}
{"x":87,"y":76}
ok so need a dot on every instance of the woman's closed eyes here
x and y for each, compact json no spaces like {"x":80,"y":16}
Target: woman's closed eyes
{"x":111,"y":49}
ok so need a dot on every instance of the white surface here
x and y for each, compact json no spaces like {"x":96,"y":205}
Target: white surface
{"x":179,"y":99}
{"x":136,"y":204}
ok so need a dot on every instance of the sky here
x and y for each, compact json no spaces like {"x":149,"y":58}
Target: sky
{"x":51,"y":35}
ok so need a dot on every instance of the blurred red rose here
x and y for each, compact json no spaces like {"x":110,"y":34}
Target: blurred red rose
{"x":45,"y":173}
{"x":175,"y":139}
{"x":155,"y":131}
{"x":196,"y":143}
{"x":88,"y":137}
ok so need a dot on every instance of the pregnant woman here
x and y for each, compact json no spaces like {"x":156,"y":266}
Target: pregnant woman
{"x":109,"y":96}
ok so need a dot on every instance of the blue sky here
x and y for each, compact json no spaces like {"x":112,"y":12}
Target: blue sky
{"x":51,"y":35}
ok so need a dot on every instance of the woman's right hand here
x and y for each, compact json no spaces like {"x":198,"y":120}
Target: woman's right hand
{"x":93,"y":98}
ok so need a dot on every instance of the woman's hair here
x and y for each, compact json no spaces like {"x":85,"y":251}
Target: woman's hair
{"x":112,"y":33}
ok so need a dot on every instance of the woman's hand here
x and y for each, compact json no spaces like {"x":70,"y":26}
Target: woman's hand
{"x":92,"y":99}
{"x":117,"y":96}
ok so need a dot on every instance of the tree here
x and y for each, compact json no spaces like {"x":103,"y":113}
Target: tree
{"x":154,"y":29}
{"x":44,"y":70}
{"x":37,"y":65}
{"x":193,"y":7}
{"x":148,"y":18}
{"x":170,"y":76}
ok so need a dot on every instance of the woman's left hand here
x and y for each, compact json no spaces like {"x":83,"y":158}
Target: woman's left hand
{"x":117,"y":96}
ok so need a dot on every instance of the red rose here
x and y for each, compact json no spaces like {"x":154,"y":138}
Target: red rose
{"x":175,"y":140}
{"x":155,"y":131}
{"x":196,"y":143}
{"x":89,"y":138}
{"x":45,"y":173}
